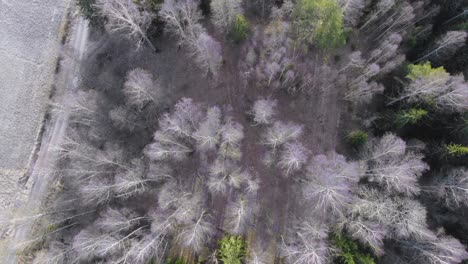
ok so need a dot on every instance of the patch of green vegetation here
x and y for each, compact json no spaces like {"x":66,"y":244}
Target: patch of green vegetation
{"x":87,"y":8}
{"x":240,"y":28}
{"x":456,"y":150}
{"x":319,"y":22}
{"x":462,"y":26}
{"x":232,"y":249}
{"x":411,"y":117}
{"x":420,"y":71}
{"x":357,"y":138}
{"x":174,"y":261}
{"x":350,"y":251}
{"x":90,"y":12}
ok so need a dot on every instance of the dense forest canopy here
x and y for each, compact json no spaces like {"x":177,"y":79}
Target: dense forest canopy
{"x":260,"y":131}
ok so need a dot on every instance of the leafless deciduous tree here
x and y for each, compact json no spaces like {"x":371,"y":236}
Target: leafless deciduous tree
{"x":90,"y":244}
{"x":330,"y":180}
{"x":281,"y":133}
{"x":259,"y":255}
{"x":131,"y":182}
{"x":118,"y":220}
{"x":360,"y":71}
{"x":225,"y":174}
{"x":452,"y":189}
{"x":442,"y":250}
{"x":369,"y":233}
{"x":264,"y":111}
{"x":395,"y":217}
{"x":293,"y":157}
{"x":446,"y":46}
{"x":276,"y":58}
{"x":197,"y":233}
{"x":97,"y":191}
{"x":239,"y":216}
{"x":224,"y":13}
{"x":449,"y":93}
{"x":208,"y":54}
{"x":126,"y":17}
{"x":232,"y":134}
{"x":307,"y":244}
{"x":182,"y":18}
{"x":394,"y":168}
{"x":140,"y":88}
{"x":167,"y":146}
{"x":151,"y":246}
{"x":352,"y":10}
{"x":172,"y":140}
{"x":208,"y":133}
{"x":184,"y":119}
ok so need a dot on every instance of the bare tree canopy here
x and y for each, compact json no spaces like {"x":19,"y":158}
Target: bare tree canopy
{"x":140,"y":88}
{"x":126,"y":17}
{"x":393,"y":167}
{"x":224,"y":12}
{"x":330,"y":180}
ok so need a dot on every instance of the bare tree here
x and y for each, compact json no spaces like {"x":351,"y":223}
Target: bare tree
{"x":258,"y":255}
{"x":208,"y":54}
{"x":443,"y":250}
{"x":447,"y":92}
{"x":239,"y":216}
{"x":197,"y":233}
{"x":90,"y":244}
{"x":396,"y":217}
{"x":293,"y":157}
{"x":131,"y":182}
{"x":307,"y":244}
{"x":446,"y":46}
{"x":167,"y":146}
{"x":151,"y":246}
{"x":381,"y":8}
{"x":232,"y":134}
{"x":140,"y":88}
{"x":281,"y":133}
{"x":455,"y":99}
{"x":182,"y":18}
{"x":394,"y":168}
{"x":97,"y":191}
{"x":353,"y":10}
{"x":224,"y":13}
{"x":363,"y":92}
{"x":184,"y":119}
{"x":121,"y":220}
{"x":369,"y":233}
{"x":330,"y":180}
{"x":126,"y":17}
{"x":208,"y":133}
{"x":452,"y":189}
{"x":408,"y":219}
{"x":263,"y":111}
{"x":225,"y":174}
